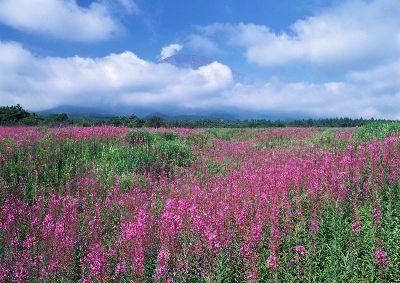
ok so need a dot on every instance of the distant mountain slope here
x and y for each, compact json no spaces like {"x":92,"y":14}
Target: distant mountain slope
{"x":79,"y":112}
{"x":171,"y":112}
{"x":187,"y":61}
{"x":195,"y":62}
{"x":199,"y":115}
{"x":168,"y":113}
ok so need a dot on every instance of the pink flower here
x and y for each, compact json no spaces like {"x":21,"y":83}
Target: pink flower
{"x":28,"y":242}
{"x":20,"y":273}
{"x":138,"y":260}
{"x":275,"y":234}
{"x":4,"y":271}
{"x":120,"y":268}
{"x":52,"y":266}
{"x":393,"y":176}
{"x":272,"y":261}
{"x":377,"y":215}
{"x":162,"y":258}
{"x":244,"y":249}
{"x":356,"y":226}
{"x":314,"y":225}
{"x":300,"y":250}
{"x":97,"y":259}
{"x":251,"y":276}
{"x":256,"y":232}
{"x":381,"y":257}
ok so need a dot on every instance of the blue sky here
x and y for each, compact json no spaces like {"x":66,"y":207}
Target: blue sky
{"x":316,"y":58}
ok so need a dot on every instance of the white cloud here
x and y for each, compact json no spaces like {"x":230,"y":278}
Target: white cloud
{"x":332,"y":99}
{"x":124,"y":79}
{"x":202,"y":44}
{"x":40,"y":83}
{"x":170,"y":50}
{"x":381,"y":79}
{"x":63,"y":19}
{"x":354,"y":34}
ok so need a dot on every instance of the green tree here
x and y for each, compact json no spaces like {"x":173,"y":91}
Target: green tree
{"x":12,"y":114}
{"x":154,"y":122}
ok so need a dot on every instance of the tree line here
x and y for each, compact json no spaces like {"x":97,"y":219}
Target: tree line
{"x":16,"y":115}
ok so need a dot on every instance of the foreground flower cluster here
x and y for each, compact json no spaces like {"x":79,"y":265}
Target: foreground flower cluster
{"x":258,"y":206}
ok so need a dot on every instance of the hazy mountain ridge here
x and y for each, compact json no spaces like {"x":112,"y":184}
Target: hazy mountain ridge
{"x":187,"y":61}
{"x":176,"y":113}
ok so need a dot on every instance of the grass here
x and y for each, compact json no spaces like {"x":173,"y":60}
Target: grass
{"x":378,"y":130}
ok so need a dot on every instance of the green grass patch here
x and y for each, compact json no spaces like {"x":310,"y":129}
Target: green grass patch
{"x":378,"y":130}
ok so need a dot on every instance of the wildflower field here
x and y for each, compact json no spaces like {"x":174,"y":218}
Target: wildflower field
{"x":109,"y":204}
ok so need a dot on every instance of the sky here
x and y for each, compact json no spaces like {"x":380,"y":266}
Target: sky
{"x":314,"y":58}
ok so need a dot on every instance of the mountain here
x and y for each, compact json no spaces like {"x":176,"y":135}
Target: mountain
{"x":175,"y":113}
{"x":167,"y":114}
{"x":201,"y":115}
{"x":187,"y":61}
{"x":79,"y":112}
{"x":171,"y":112}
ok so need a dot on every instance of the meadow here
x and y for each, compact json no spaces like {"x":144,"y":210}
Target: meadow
{"x":114,"y":204}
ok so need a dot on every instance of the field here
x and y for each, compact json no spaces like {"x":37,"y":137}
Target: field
{"x":113,"y":204}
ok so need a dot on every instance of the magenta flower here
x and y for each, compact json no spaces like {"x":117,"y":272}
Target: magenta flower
{"x":20,"y":272}
{"x":4,"y":271}
{"x":377,"y":215}
{"x":381,"y":257}
{"x":162,"y":259}
{"x":356,"y":226}
{"x":393,"y":176}
{"x":272,"y":261}
{"x":275,"y":234}
{"x":251,"y":276}
{"x":256,"y":232}
{"x":301,"y":250}
{"x":52,"y":266}
{"x":244,"y":249}
{"x":314,"y":225}
{"x":120,"y":268}
{"x":96,"y":259}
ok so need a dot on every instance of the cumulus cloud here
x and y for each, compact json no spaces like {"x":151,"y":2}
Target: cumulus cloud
{"x":381,"y":79}
{"x":170,"y":50}
{"x":117,"y":79}
{"x":333,"y":99}
{"x":124,"y":79}
{"x":360,"y":40}
{"x":354,"y":34}
{"x":63,"y":19}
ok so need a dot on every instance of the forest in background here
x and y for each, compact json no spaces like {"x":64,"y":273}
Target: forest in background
{"x":17,"y":115}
